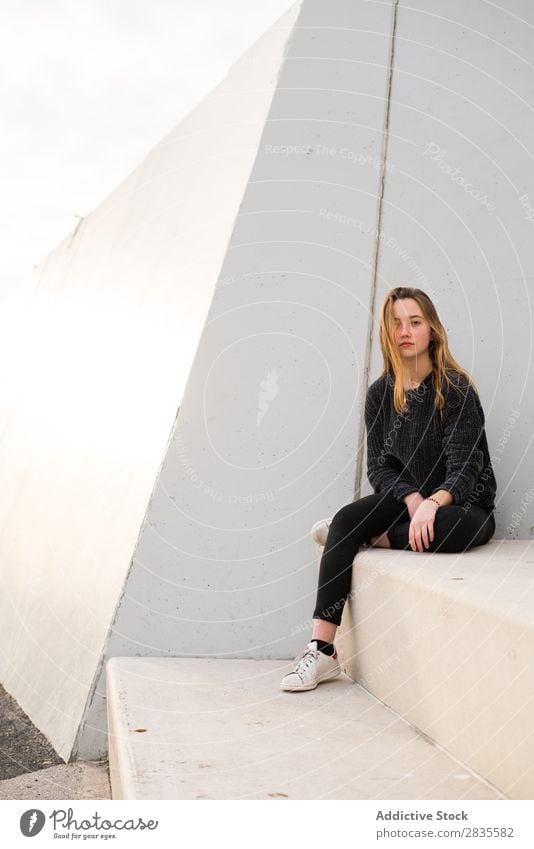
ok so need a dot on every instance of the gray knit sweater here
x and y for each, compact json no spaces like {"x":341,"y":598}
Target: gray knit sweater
{"x":418,"y":452}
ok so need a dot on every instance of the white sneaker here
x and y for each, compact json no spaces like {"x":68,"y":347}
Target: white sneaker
{"x":319,"y":531}
{"x":311,"y":668}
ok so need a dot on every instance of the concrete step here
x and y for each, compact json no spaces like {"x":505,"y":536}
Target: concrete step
{"x":447,"y":641}
{"x":207,"y":728}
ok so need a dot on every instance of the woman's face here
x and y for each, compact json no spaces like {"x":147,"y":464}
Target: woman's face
{"x":412,"y":331}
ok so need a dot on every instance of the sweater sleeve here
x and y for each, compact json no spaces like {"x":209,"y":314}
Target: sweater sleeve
{"x":463,"y":426}
{"x":383,"y":470}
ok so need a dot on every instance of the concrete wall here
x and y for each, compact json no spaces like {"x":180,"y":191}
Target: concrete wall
{"x":455,"y":212}
{"x":102,"y":345}
{"x":267,"y":435}
{"x":246,"y":259}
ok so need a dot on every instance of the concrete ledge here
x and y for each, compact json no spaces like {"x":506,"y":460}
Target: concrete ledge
{"x":447,"y":641}
{"x":206,"y":728}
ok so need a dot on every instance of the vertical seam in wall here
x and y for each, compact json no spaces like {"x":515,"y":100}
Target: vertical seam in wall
{"x":370,"y":326}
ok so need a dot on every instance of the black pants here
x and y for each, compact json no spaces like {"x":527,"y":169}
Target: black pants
{"x":455,"y":529}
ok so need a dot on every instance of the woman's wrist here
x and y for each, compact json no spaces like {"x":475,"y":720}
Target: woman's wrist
{"x":442,"y":497}
{"x":413,"y":496}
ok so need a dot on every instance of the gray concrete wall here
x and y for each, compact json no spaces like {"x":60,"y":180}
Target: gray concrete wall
{"x":102,"y":345}
{"x":267,"y":438}
{"x":455,"y":217}
{"x":238,"y":273}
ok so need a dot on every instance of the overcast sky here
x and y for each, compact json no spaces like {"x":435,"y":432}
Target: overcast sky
{"x":88,"y":88}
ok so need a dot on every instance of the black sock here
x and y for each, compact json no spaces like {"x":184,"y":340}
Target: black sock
{"x":326,"y":648}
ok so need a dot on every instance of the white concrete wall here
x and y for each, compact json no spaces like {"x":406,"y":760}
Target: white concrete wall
{"x":239,"y":261}
{"x":460,"y":158}
{"x":224,"y":563}
{"x":101,"y":346}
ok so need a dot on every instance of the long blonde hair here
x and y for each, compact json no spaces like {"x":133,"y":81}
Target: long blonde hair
{"x":443,"y":363}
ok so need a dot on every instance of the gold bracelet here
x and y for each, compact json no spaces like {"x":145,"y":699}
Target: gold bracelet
{"x":434,"y":500}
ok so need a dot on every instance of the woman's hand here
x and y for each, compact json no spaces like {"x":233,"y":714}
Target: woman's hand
{"x":412,"y":501}
{"x":422,"y":525}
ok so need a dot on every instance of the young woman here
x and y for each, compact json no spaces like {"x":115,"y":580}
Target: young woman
{"x":427,"y":461}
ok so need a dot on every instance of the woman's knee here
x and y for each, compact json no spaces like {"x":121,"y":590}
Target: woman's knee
{"x":346,"y":518}
{"x":454,"y":529}
{"x":355,"y":512}
{"x":364,"y":516}
{"x":483,"y":528}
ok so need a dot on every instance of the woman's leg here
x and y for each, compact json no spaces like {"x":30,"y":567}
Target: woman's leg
{"x":487,"y":527}
{"x":350,"y":527}
{"x":455,"y":529}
